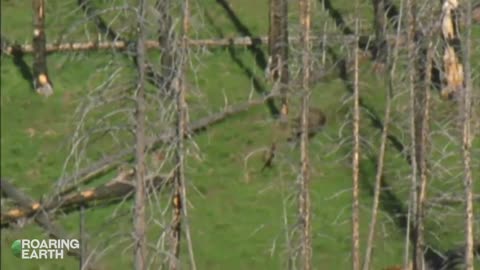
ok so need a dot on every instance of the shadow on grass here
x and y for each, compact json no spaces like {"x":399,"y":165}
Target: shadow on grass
{"x":153,"y":77}
{"x":392,"y":14}
{"x":395,"y":208}
{"x":257,"y":83}
{"x":372,"y":115}
{"x":21,"y":65}
{"x":257,"y":52}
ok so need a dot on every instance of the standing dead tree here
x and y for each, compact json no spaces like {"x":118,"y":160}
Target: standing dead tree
{"x":179,"y":197}
{"x":278,"y":62}
{"x":421,"y":114}
{"x":304,"y":177}
{"x":41,"y":80}
{"x":356,"y":152}
{"x":140,"y":244}
{"x":466,"y":109}
{"x":278,"y":50}
{"x":411,"y":8}
{"x":391,"y":63}
{"x":453,"y":68}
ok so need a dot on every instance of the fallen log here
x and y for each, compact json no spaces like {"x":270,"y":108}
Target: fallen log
{"x":121,"y":45}
{"x":119,"y":188}
{"x":41,"y":217}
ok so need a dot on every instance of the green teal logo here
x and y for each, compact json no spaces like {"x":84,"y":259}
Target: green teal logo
{"x":17,"y":248}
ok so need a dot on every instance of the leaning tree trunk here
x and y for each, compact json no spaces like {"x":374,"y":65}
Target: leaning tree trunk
{"x":278,"y":49}
{"x":304,"y":181}
{"x":140,"y":245}
{"x":41,"y":80}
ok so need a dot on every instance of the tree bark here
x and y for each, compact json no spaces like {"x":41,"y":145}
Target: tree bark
{"x":41,"y":80}
{"x":304,"y":181}
{"x":140,"y":243}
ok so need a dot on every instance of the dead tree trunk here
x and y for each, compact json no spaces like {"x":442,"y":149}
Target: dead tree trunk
{"x":380,"y":52}
{"x":467,"y":143}
{"x":304,"y":180}
{"x":453,"y":68}
{"x":422,"y":89}
{"x":416,"y":98}
{"x":140,"y":245}
{"x":278,"y":49}
{"x":356,"y":154}
{"x":179,"y":197}
{"x":41,"y":80}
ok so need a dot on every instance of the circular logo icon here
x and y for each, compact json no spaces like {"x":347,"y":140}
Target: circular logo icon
{"x":17,"y":248}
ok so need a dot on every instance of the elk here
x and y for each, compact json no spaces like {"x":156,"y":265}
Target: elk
{"x":316,"y":120}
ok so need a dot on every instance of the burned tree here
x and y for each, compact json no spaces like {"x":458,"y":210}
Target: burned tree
{"x":466,"y":114}
{"x":140,"y":227}
{"x":41,"y":80}
{"x":356,"y":152}
{"x":380,"y":51}
{"x":278,"y":49}
{"x":453,"y":68}
{"x":179,"y":196}
{"x":304,"y":203}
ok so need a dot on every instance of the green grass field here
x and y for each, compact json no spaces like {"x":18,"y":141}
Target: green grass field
{"x":236,"y":211}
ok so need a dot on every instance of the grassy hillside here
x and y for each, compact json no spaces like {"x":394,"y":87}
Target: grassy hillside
{"x":236,"y":210}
